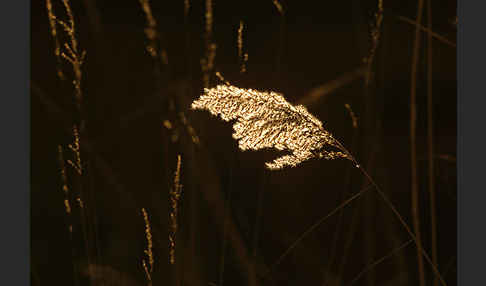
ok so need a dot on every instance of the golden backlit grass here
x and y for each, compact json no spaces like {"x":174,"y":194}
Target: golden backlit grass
{"x":267,"y":120}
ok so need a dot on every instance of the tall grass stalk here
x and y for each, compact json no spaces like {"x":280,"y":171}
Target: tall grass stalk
{"x":207,"y":63}
{"x":67,"y":205}
{"x":413,"y":145}
{"x":428,"y":31}
{"x":350,"y":236}
{"x":379,"y":261}
{"x":370,"y":127}
{"x":430,"y":141}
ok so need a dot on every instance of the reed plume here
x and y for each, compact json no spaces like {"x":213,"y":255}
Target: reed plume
{"x":75,"y":56}
{"x":243,"y":58}
{"x":375,"y":34}
{"x":152,"y":35}
{"x":267,"y":120}
{"x":55,"y":37}
{"x":65,"y":186}
{"x":76,"y":149}
{"x":148,"y":235}
{"x":174,"y":194}
{"x":72,"y":54}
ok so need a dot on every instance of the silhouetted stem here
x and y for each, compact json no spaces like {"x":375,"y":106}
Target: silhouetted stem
{"x":405,"y":225}
{"x":418,"y":243}
{"x":413,"y":145}
{"x":374,"y":264}
{"x":313,"y":227}
{"x":430,"y":140}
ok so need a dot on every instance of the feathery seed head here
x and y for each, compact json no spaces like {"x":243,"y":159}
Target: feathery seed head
{"x":267,"y":120}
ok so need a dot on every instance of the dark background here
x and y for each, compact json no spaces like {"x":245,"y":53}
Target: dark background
{"x":131,"y":160}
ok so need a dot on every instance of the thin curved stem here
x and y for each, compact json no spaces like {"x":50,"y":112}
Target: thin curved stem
{"x":313,"y":227}
{"x":405,"y":225}
{"x":340,"y":219}
{"x":428,"y":31}
{"x":348,"y":201}
{"x":417,"y":242}
{"x":374,"y":264}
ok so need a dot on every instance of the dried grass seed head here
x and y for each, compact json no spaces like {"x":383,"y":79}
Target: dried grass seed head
{"x":267,"y":120}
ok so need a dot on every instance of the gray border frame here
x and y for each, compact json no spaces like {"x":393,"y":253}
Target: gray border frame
{"x":471,"y":103}
{"x":15,"y":142}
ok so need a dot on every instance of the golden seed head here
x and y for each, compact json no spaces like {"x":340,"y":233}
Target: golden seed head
{"x":267,"y":120}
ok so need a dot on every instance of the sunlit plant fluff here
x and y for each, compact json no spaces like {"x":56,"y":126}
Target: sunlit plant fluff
{"x":267,"y":120}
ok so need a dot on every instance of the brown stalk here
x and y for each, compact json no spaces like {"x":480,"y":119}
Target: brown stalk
{"x":428,"y":31}
{"x":430,"y":140}
{"x":371,"y":142}
{"x":207,"y":63}
{"x":413,"y":145}
{"x":374,"y":264}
